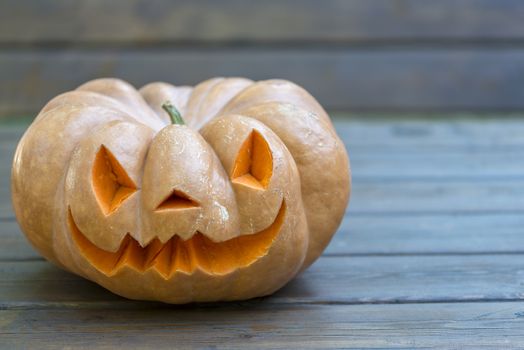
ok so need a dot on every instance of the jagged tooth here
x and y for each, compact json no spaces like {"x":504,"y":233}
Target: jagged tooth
{"x":197,"y":253}
{"x":173,"y":267}
{"x":152,"y":250}
{"x":201,"y":253}
{"x":137,"y":256}
{"x":209,"y":251}
{"x":132,"y":256}
{"x":181,"y":255}
{"x":162,"y":262}
{"x":191,"y":259}
{"x":122,"y":252}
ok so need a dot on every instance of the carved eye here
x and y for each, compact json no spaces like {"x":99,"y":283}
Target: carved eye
{"x":111,"y":182}
{"x":254,"y":164}
{"x":177,"y":200}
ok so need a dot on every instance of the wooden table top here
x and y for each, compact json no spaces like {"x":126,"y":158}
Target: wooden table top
{"x":429,"y":255}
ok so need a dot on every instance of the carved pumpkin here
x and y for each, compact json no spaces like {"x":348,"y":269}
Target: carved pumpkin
{"x":109,"y":184}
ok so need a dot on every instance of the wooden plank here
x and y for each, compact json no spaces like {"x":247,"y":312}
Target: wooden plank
{"x":442,"y":132}
{"x":343,"y":280}
{"x":473,"y":166}
{"x":379,"y":235}
{"x":455,"y":148}
{"x":356,"y":79}
{"x":428,"y":234}
{"x":420,"y":326}
{"x":139,"y":21}
{"x":454,"y":196}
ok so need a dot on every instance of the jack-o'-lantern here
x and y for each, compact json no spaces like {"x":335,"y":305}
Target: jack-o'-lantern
{"x":110,"y":183}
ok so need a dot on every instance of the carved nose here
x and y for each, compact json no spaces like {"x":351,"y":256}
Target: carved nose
{"x":177,"y":200}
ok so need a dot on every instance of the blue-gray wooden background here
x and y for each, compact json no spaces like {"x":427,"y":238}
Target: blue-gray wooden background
{"x":353,"y":55}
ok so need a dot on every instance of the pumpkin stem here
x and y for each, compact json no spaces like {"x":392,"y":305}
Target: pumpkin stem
{"x":174,"y":114}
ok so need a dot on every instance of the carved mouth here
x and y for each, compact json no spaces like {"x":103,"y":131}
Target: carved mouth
{"x":177,"y":255}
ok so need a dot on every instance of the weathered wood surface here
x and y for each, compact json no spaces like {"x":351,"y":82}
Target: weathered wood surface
{"x":146,"y":21}
{"x":429,"y":255}
{"x":362,"y":79}
{"x":358,"y":54}
{"x":331,"y":280}
{"x":407,"y":326}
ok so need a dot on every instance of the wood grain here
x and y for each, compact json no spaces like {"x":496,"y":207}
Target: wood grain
{"x":431,"y":133}
{"x":361,"y":55}
{"x":341,"y":79}
{"x":141,"y":21}
{"x":332,"y":280}
{"x":408,"y":326}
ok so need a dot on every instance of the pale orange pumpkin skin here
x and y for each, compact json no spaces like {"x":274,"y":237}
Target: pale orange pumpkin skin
{"x":230,"y":206}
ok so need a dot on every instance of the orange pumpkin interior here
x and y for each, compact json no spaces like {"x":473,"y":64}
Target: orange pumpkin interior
{"x":111,"y":183}
{"x":254,"y":164}
{"x":177,"y":200}
{"x":179,"y":255}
